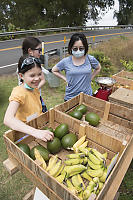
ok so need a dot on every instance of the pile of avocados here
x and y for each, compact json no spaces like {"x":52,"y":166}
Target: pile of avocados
{"x":90,"y":117}
{"x":62,"y":139}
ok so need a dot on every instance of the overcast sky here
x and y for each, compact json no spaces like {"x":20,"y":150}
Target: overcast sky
{"x":107,"y":20}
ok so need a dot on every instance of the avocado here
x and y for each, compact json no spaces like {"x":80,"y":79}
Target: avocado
{"x":61,"y":130}
{"x":25,"y":148}
{"x":54,"y":146}
{"x":69,"y":140}
{"x":48,"y":128}
{"x":92,"y":118}
{"x":82,"y":108}
{"x":76,"y":114}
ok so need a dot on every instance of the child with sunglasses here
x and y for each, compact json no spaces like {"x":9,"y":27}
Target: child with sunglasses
{"x":32,"y":46}
{"x":25,"y":99}
{"x":78,"y":67}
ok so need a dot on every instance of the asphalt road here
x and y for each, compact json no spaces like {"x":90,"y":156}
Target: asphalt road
{"x":10,"y":50}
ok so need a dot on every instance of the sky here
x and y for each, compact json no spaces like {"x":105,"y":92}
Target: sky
{"x":107,"y":19}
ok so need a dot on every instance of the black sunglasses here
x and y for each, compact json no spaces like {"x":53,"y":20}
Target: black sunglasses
{"x":38,"y":49}
{"x":30,"y":61}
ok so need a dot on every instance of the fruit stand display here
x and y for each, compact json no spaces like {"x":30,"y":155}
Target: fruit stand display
{"x":99,"y":149}
{"x":115,"y":120}
{"x":123,"y":79}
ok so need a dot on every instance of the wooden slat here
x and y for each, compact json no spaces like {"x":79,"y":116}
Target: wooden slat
{"x":121,"y":111}
{"x":102,"y":139}
{"x":112,"y":185}
{"x":11,"y":166}
{"x":106,"y":111}
{"x":123,"y":97}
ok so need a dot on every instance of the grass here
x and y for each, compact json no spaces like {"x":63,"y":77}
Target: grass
{"x":15,"y":187}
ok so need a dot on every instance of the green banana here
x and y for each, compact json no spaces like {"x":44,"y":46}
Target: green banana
{"x":78,"y":143}
{"x":95,"y":172}
{"x":103,"y":177}
{"x":76,"y":155}
{"x":83,"y":145}
{"x":94,"y":159}
{"x":76,"y":183}
{"x":100,"y":185}
{"x":92,"y":165}
{"x":55,"y":169}
{"x":85,"y":160}
{"x":60,"y":170}
{"x":96,"y":180}
{"x":88,"y":190}
{"x":86,"y":194}
{"x":71,"y":187}
{"x":52,"y":162}
{"x":98,"y":154}
{"x":73,"y":161}
{"x":84,"y":150}
{"x":61,"y":177}
{"x":80,"y":195}
{"x":74,"y":169}
{"x":86,"y":176}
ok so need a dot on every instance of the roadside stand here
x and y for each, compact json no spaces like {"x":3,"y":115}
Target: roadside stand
{"x":111,"y":138}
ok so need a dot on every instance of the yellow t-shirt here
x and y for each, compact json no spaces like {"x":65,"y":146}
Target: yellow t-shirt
{"x":29,"y":100}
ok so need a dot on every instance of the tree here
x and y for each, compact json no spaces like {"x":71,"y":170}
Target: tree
{"x":125,"y":13}
{"x":53,"y":13}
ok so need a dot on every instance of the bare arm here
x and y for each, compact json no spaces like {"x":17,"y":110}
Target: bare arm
{"x":57,"y":73}
{"x":96,"y":71}
{"x":11,"y":121}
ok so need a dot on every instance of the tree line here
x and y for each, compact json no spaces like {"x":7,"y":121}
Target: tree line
{"x":31,"y":14}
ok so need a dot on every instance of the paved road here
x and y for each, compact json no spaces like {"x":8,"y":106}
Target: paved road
{"x":10,"y":50}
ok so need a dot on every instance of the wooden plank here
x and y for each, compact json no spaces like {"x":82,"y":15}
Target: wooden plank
{"x":123,"y":97}
{"x":81,"y":98}
{"x":106,"y":111}
{"x":121,"y":111}
{"x":11,"y":166}
{"x":29,"y":195}
{"x":115,"y":178}
{"x":104,"y":140}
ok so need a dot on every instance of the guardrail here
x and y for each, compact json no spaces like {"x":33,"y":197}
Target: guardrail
{"x":38,"y":31}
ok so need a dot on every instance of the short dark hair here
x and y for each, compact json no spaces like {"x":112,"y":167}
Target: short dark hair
{"x":76,"y":37}
{"x":30,"y":42}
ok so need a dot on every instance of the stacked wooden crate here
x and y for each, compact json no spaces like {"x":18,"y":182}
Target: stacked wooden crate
{"x":112,"y":135}
{"x":123,"y":79}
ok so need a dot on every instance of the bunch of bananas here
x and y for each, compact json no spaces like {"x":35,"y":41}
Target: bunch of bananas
{"x":55,"y":166}
{"x":83,"y":181}
{"x":84,"y":171}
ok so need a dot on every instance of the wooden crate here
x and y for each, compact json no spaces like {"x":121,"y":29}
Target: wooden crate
{"x":116,"y":120}
{"x":122,"y":96}
{"x":46,"y":183}
{"x":124,"y":79}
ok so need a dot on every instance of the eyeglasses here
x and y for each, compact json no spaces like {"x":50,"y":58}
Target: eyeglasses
{"x":76,"y":48}
{"x":29,"y":61}
{"x":38,"y":49}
